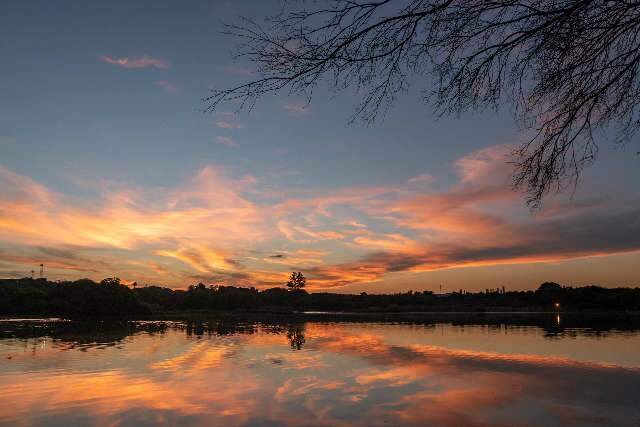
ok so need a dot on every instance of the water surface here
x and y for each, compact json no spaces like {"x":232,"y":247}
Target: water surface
{"x":441,"y":372}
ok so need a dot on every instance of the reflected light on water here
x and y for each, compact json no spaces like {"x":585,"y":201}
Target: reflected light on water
{"x":317,"y":374}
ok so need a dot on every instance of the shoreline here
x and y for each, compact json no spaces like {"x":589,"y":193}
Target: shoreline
{"x":325,"y":315}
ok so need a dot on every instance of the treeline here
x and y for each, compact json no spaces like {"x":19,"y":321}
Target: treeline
{"x":85,"y":298}
{"x":78,"y":299}
{"x":548,"y":297}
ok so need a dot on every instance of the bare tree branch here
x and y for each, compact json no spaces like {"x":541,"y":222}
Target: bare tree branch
{"x":569,"y":67}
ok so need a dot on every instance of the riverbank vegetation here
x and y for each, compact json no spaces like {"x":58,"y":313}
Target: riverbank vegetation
{"x":110,"y":298}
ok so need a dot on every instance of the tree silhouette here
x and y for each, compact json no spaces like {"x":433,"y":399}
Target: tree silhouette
{"x":296,"y":282}
{"x":570,"y":67}
{"x":110,"y":281}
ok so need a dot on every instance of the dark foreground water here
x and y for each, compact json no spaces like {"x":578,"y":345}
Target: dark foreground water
{"x":522,"y":371}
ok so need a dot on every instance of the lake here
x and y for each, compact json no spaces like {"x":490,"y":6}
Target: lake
{"x":534,"y":370}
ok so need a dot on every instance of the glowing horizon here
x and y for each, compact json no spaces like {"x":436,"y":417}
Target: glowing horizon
{"x":215,"y":228}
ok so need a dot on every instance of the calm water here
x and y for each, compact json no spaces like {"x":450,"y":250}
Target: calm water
{"x":523,"y":372}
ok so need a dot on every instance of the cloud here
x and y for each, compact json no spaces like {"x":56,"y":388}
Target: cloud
{"x":33,"y":262}
{"x":301,"y":234}
{"x":227,"y":120}
{"x":141,"y":62}
{"x":182,"y":223}
{"x":395,"y":242}
{"x":525,"y":241}
{"x":213,"y":227}
{"x":487,"y":166}
{"x":355,"y":224}
{"x":298,"y":258}
{"x":479,"y":221}
{"x":59,"y":258}
{"x":201,"y":258}
{"x":226,"y":141}
{"x":226,"y":124}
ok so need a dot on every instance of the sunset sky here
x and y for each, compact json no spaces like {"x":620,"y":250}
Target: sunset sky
{"x":108,"y":167}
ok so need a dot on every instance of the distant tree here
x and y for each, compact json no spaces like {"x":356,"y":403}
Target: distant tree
{"x":570,"y":67}
{"x":549,"y":287}
{"x":110,"y":281}
{"x":297,"y":281}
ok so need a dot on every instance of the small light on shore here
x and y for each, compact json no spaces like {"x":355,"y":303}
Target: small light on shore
{"x":557,"y":305}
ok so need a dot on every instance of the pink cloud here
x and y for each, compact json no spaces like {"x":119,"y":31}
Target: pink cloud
{"x":141,"y":62}
{"x":228,"y":124}
{"x":487,"y":166}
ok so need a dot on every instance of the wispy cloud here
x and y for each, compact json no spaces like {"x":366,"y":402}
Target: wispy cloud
{"x":298,"y":258}
{"x":201,"y":258}
{"x":180,"y":223}
{"x":227,"y":120}
{"x":140,"y":62}
{"x":228,"y":124}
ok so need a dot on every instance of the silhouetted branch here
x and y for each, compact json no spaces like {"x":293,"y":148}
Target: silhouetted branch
{"x":570,"y":67}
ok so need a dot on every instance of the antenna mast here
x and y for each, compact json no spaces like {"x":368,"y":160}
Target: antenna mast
{"x":42,"y":271}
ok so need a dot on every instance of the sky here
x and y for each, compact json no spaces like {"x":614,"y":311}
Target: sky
{"x":109,"y":167}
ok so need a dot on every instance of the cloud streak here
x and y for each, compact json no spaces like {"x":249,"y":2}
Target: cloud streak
{"x":144,"y":61}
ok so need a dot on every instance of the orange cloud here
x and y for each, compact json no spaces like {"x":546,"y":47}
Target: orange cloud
{"x":214,"y":228}
{"x":390,"y":242}
{"x":300,"y":257}
{"x":201,"y":258}
{"x":184,"y":224}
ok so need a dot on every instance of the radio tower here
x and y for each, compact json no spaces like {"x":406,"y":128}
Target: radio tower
{"x":42,"y":271}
